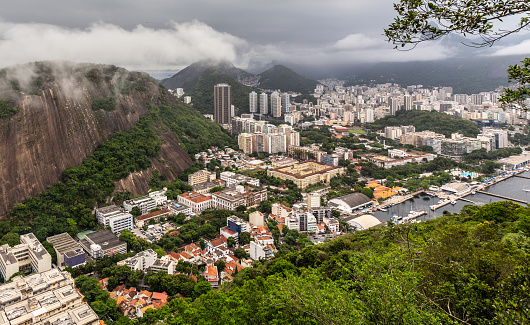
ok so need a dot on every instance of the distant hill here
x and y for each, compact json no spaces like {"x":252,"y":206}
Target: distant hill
{"x":187,"y":78}
{"x":285,"y":79}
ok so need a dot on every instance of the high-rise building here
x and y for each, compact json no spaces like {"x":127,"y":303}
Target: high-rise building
{"x":276,"y":105}
{"x":263,"y":104}
{"x":393,"y":103}
{"x":286,"y":103}
{"x":222,"y":104}
{"x":408,"y":102}
{"x":253,"y":102}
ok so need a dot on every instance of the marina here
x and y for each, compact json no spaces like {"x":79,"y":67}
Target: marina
{"x":515,"y":188}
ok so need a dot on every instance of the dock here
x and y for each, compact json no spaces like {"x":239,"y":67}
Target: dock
{"x":466,"y":200}
{"x":522,"y":176}
{"x":503,"y":197}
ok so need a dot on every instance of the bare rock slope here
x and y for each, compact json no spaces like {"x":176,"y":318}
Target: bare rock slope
{"x":65,"y":111}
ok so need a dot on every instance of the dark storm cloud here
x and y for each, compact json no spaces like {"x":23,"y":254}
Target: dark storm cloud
{"x":159,"y":34}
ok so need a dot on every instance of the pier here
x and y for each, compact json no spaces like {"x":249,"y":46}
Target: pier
{"x":503,"y":197}
{"x":466,"y":200}
{"x":522,"y":176}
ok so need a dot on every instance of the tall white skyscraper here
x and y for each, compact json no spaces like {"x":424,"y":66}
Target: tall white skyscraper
{"x":286,"y":103}
{"x":263,"y":104}
{"x":276,"y":105}
{"x":253,"y":102}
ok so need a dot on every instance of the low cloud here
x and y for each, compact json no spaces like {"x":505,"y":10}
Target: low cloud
{"x":522,"y":48}
{"x":140,"y":47}
{"x":181,"y":44}
{"x":356,"y":42}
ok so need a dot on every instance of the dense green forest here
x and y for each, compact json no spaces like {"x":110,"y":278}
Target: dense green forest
{"x":428,"y":120}
{"x":469,"y":268}
{"x":201,"y":91}
{"x":285,"y":79}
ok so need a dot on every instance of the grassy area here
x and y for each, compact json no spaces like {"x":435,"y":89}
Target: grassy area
{"x":355,"y":131}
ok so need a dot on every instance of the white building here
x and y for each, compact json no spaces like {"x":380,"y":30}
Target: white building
{"x":263,"y":104}
{"x":25,"y":257}
{"x":144,"y":203}
{"x":276,"y":104}
{"x":232,"y":179}
{"x":253,"y":102}
{"x":259,"y":251}
{"x":149,"y":261}
{"x":197,"y":202}
{"x":286,"y":103}
{"x":115,"y":217}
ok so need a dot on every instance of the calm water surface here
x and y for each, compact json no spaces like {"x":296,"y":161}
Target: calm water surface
{"x":512,"y":187}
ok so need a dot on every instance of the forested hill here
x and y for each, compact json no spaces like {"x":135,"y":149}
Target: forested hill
{"x":428,"y":120}
{"x":470,"y":268}
{"x":202,"y":91}
{"x":53,"y":115}
{"x":285,"y":79}
{"x":187,"y":77}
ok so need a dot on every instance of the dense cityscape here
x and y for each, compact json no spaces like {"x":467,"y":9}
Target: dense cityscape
{"x":189,"y":163}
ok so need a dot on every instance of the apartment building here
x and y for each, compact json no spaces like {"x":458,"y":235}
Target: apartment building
{"x":232,"y":179}
{"x":48,"y":297}
{"x":144,"y":203}
{"x":28,"y":256}
{"x":115,"y":217}
{"x":201,"y":176}
{"x":148,"y":261}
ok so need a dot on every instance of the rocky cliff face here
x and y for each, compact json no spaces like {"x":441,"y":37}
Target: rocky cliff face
{"x":65,"y":111}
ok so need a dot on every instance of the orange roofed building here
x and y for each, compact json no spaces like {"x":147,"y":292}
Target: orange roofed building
{"x":197,"y":202}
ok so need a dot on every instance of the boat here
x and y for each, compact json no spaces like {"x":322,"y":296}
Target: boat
{"x":526,"y":190}
{"x":383,"y":209}
{"x":453,"y":202}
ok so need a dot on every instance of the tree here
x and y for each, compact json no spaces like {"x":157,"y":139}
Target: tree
{"x":241,"y":208}
{"x":368,"y":192}
{"x":231,"y":241}
{"x":202,"y":244}
{"x":136,"y":212}
{"x":240,"y":253}
{"x":220,"y":266}
{"x":244,"y":238}
{"x":422,"y":20}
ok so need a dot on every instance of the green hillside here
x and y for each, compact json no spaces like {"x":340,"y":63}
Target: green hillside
{"x":428,"y":120}
{"x":285,"y":79}
{"x":202,"y":91}
{"x":187,"y":77}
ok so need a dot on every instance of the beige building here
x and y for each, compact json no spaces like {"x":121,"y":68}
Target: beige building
{"x":28,"y":256}
{"x":44,"y":298}
{"x":244,"y":141}
{"x":201,"y":176}
{"x":306,"y":173}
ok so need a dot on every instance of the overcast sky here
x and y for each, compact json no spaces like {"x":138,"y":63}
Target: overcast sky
{"x":169,"y":34}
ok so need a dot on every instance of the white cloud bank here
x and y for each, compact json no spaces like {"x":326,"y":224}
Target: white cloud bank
{"x":522,"y":48}
{"x":184,"y":43}
{"x":181,"y":44}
